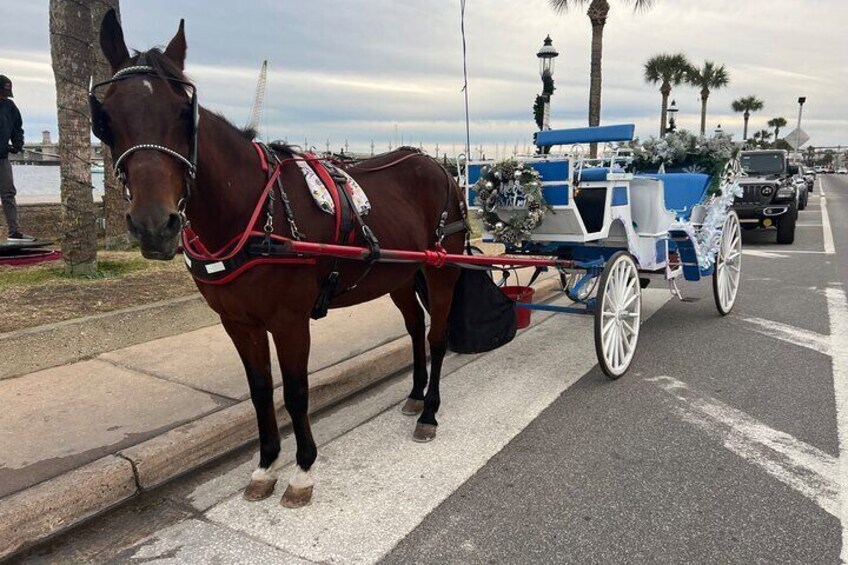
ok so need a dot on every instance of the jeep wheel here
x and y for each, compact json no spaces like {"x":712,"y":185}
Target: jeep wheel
{"x":786,"y":226}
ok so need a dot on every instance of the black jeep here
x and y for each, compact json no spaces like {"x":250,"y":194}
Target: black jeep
{"x":769,"y":195}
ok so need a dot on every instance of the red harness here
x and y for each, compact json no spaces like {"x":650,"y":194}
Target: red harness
{"x":227,"y":263}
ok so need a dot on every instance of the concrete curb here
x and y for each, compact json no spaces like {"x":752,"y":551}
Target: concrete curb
{"x":32,"y":349}
{"x":47,"y":509}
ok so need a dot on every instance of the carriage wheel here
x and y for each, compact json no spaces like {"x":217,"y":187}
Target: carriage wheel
{"x":618,"y":314}
{"x":728,"y":266}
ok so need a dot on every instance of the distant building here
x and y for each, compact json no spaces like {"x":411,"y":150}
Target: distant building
{"x":47,"y":152}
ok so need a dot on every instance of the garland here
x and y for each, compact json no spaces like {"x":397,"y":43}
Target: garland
{"x":685,"y":152}
{"x":510,"y":184}
{"x":707,"y":237}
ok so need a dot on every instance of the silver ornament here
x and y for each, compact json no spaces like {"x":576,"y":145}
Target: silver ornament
{"x":489,"y":185}
{"x":499,"y":226}
{"x":497,"y":174}
{"x":517,"y":175}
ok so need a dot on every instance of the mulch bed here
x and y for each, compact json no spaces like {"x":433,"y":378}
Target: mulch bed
{"x":26,"y":305}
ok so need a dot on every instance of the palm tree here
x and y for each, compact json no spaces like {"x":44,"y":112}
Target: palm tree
{"x":598,"y":11}
{"x":70,"y":33}
{"x":709,"y":77}
{"x":114,"y":204}
{"x":777,"y":123}
{"x":747,"y":105}
{"x":668,"y":70}
{"x":762,"y":137}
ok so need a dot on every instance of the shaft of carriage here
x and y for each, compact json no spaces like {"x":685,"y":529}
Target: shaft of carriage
{"x":436,"y":257}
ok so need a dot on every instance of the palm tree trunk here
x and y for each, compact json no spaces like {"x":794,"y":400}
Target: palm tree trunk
{"x":665,"y":90}
{"x":776,"y":133}
{"x":70,"y":32}
{"x":114,"y":204}
{"x":746,"y":115}
{"x":597,"y":13}
{"x":705,"y":93}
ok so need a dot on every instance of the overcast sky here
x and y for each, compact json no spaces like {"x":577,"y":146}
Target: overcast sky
{"x":385,"y":69}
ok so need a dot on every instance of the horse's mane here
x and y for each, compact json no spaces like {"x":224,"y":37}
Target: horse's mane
{"x":166,"y":68}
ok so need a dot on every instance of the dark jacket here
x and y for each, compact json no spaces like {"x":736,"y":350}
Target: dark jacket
{"x":11,"y":131}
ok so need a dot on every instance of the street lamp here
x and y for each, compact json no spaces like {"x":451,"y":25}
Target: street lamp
{"x":672,"y":112}
{"x":718,"y":131}
{"x":547,"y":54}
{"x":801,"y":100}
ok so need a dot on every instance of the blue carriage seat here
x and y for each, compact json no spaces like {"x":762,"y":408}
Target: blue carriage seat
{"x":594,"y":134}
{"x":682,"y":191}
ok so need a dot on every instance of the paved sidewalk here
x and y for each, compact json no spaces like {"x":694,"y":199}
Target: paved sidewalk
{"x":61,"y":418}
{"x":80,"y":438}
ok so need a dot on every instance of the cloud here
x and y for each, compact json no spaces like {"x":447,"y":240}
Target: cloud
{"x":382,"y":69}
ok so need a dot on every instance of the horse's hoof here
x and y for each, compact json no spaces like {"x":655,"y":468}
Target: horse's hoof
{"x":424,"y":433}
{"x":259,"y":490}
{"x":296,"y":497}
{"x":412,"y":407}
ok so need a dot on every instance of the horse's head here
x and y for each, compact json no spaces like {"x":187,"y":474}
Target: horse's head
{"x":148,"y":118}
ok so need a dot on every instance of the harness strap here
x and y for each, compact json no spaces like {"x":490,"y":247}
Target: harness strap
{"x":263,"y":162}
{"x":322,"y":173}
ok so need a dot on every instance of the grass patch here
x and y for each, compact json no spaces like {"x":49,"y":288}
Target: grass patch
{"x":36,"y":275}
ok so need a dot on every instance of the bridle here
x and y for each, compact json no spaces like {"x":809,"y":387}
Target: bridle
{"x":98,"y":128}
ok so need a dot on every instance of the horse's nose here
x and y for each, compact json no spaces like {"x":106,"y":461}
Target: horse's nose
{"x":155,"y":226}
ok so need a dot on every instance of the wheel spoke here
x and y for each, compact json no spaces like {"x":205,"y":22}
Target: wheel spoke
{"x":611,"y":349}
{"x":630,"y":300}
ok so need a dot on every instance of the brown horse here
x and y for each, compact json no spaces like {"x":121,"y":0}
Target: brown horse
{"x":146,"y":116}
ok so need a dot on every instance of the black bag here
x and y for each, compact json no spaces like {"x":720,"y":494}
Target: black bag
{"x":482,"y":318}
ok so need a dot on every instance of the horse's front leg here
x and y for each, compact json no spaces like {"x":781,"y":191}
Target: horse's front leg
{"x":292,"y":341}
{"x":252,"y":345}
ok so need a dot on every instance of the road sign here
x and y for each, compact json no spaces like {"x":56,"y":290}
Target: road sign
{"x":796,"y":138}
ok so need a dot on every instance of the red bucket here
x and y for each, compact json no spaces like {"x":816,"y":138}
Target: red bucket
{"x":523,"y":294}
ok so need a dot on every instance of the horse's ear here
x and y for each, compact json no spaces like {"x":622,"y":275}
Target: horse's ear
{"x":112,"y":41}
{"x":176,"y":49}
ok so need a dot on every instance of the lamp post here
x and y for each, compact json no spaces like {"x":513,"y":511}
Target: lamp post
{"x":672,"y":111}
{"x":718,"y":131}
{"x":801,"y":100}
{"x":546,"y":56}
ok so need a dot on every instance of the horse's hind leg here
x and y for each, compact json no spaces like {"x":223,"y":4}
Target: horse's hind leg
{"x":252,"y":345}
{"x":413,"y":315}
{"x":440,"y":286}
{"x":292,"y":341}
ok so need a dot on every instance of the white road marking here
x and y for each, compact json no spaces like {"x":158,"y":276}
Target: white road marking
{"x":791,"y":334}
{"x":805,"y":468}
{"x":838,"y":314}
{"x":374,"y":485}
{"x":763,"y":254}
{"x":826,"y":229}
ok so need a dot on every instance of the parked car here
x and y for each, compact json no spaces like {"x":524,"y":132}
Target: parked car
{"x":842,"y":171}
{"x":770,"y":193}
{"x":819,"y":170}
{"x":802,"y":189}
{"x":809,"y":176}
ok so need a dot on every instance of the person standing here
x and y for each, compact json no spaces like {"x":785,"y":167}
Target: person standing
{"x":11,"y":141}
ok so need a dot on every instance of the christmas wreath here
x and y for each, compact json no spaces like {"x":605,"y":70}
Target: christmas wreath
{"x":511,"y":184}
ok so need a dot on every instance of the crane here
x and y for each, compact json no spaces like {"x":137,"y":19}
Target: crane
{"x":258,"y":98}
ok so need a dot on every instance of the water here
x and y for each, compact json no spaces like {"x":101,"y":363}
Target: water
{"x":41,"y":184}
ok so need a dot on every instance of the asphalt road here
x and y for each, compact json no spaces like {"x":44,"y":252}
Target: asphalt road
{"x":721,"y":445}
